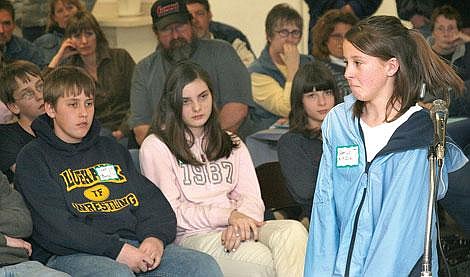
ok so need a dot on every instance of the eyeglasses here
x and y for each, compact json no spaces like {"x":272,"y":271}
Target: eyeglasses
{"x":29,"y":93}
{"x":285,"y":33}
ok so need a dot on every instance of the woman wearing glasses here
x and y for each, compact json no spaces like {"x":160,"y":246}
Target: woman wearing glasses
{"x":273,"y":72}
{"x":328,"y":34}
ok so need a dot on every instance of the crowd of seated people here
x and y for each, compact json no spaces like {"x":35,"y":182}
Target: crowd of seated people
{"x":71,"y":105}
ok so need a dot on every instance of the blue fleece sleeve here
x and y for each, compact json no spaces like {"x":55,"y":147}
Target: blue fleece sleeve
{"x":323,"y":239}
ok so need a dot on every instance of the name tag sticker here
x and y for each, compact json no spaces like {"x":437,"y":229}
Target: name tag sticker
{"x":107,"y":172}
{"x":347,"y":156}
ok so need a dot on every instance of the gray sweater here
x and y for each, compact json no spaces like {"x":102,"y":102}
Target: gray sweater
{"x":15,"y":221}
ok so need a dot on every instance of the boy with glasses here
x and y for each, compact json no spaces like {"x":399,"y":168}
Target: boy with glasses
{"x":21,"y":91}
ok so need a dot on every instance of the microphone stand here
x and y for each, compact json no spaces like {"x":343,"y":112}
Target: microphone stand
{"x":426,"y":263}
{"x":435,"y":156}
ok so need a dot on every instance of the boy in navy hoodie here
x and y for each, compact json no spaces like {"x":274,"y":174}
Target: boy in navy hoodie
{"x":94,"y":214}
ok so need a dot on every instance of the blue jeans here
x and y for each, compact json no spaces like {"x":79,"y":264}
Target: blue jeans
{"x":176,"y":261}
{"x":30,"y":268}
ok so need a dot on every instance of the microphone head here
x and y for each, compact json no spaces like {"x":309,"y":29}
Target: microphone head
{"x":439,"y":110}
{"x":439,"y":115}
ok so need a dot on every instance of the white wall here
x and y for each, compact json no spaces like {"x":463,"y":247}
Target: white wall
{"x":249,"y":16}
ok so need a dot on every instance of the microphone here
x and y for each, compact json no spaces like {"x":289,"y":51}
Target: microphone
{"x":439,"y":114}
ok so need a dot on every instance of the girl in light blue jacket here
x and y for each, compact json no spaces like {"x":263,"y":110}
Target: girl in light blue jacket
{"x":369,"y":207}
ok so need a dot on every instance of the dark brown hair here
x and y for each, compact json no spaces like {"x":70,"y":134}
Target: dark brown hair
{"x":7,"y":6}
{"x":310,"y":77}
{"x":448,"y":12}
{"x":84,"y":21}
{"x":385,"y":37}
{"x":168,"y":124}
{"x":325,"y":26}
{"x":205,"y":3}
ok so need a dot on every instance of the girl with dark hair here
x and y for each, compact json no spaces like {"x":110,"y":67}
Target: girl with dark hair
{"x":314,"y":93}
{"x":85,"y":46}
{"x":208,"y":177}
{"x":369,"y":209}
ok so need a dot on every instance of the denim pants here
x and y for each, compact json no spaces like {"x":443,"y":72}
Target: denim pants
{"x":30,"y":269}
{"x":176,"y":261}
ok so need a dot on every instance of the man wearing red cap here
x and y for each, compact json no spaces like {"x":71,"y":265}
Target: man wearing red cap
{"x":178,"y":42}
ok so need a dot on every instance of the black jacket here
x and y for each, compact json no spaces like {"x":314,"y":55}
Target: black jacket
{"x":84,"y":197}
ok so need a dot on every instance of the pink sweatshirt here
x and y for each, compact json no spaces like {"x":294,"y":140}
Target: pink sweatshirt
{"x":203,"y":196}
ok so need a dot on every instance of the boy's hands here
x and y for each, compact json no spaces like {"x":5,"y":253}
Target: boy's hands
{"x":145,"y":258}
{"x":153,"y":247}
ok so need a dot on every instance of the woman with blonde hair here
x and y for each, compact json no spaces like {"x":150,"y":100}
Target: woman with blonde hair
{"x":60,"y":12}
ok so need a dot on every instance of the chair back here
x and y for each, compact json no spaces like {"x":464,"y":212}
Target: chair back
{"x":135,"y":158}
{"x":274,"y":192}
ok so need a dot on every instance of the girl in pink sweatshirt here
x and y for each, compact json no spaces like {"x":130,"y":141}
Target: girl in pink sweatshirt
{"x":208,"y":177}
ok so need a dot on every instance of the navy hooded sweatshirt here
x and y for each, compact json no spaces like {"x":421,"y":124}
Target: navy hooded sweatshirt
{"x":84,"y":197}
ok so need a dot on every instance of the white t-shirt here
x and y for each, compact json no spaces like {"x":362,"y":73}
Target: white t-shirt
{"x":377,"y":137}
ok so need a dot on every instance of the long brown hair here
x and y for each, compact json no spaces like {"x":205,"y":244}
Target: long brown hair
{"x":84,"y":21}
{"x":168,"y":123}
{"x":385,"y":37}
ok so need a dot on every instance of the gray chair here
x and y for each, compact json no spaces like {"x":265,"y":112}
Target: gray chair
{"x":135,"y":158}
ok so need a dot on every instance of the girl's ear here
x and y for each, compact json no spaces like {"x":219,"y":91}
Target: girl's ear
{"x":392,"y":66}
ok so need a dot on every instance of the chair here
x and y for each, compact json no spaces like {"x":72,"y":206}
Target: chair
{"x":277,"y":199}
{"x":135,"y":158}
